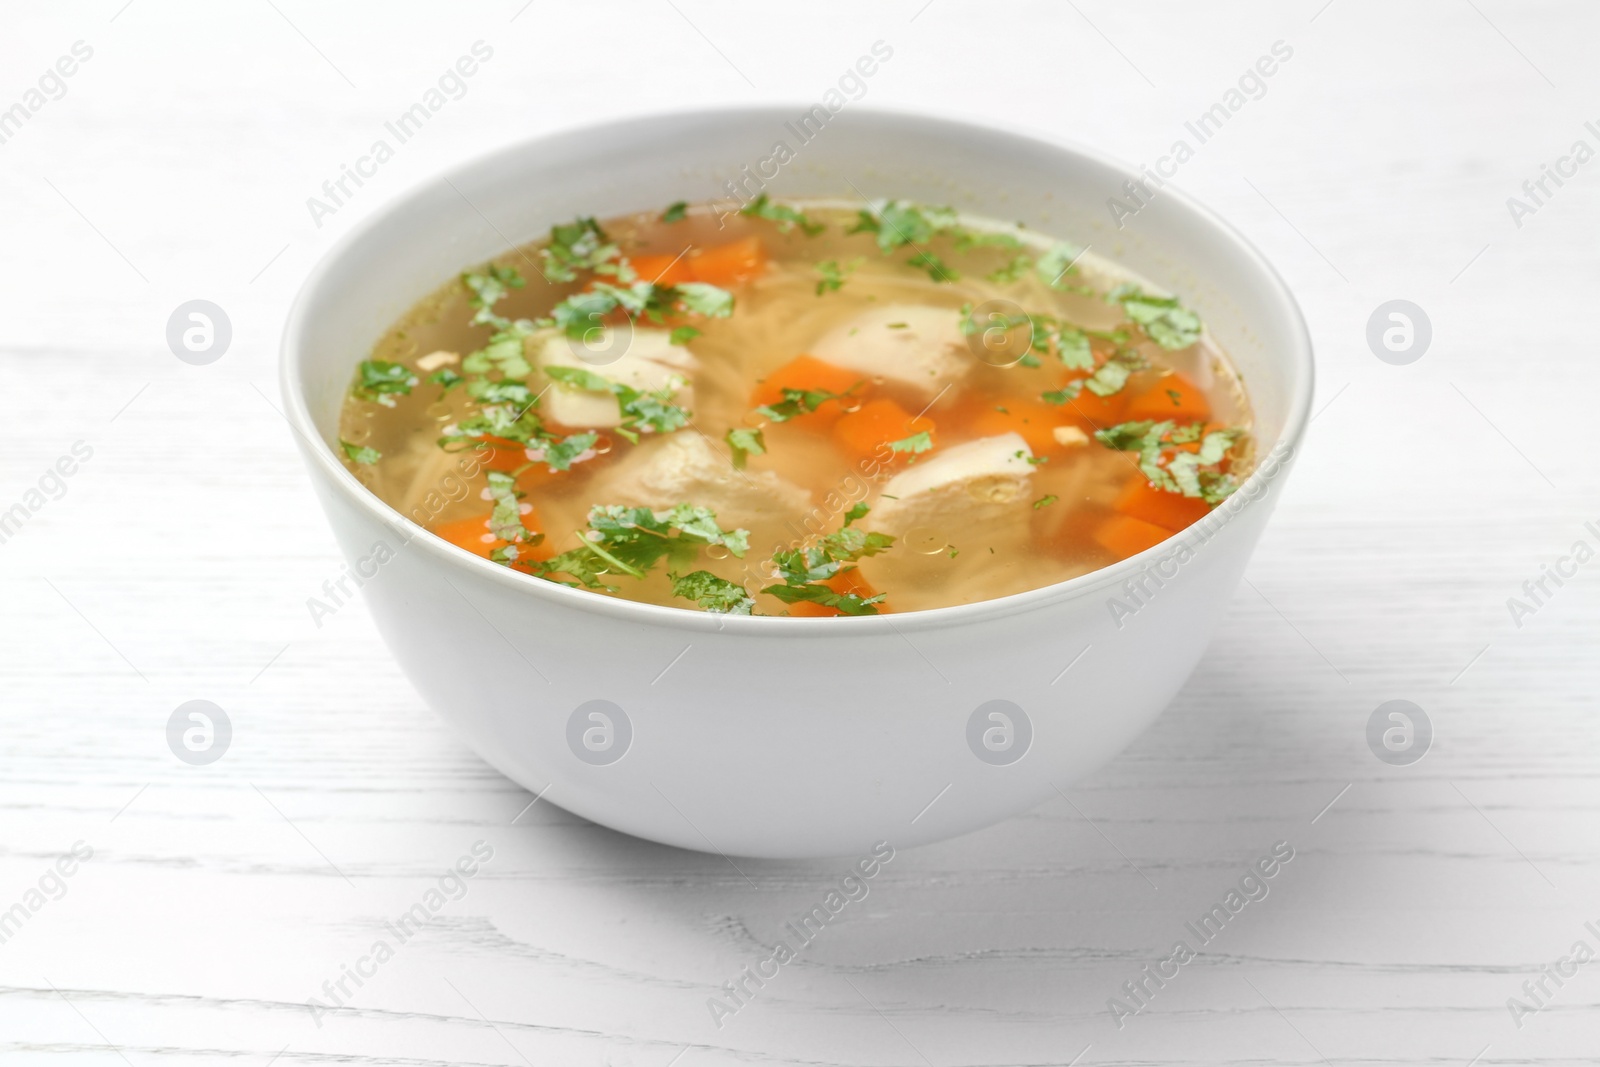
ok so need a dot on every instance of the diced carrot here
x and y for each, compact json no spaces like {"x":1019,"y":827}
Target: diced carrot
{"x":1172,"y":511}
{"x":501,"y":454}
{"x":1173,"y":397}
{"x":728,"y":264}
{"x":1124,"y":535}
{"x":663,"y":270}
{"x":1033,"y":419}
{"x":811,"y":374}
{"x":844,"y":582}
{"x":865,"y":431}
{"x":1090,"y":412}
{"x":474,"y":536}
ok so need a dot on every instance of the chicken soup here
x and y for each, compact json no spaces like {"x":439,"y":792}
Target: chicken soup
{"x":807,"y":408}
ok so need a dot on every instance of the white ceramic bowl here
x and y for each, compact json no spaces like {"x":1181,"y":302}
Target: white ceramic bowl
{"x":777,"y":736}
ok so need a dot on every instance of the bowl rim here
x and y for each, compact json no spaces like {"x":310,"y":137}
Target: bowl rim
{"x":325,"y":463}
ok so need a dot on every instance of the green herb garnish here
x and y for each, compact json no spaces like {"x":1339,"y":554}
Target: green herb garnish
{"x":797,"y":402}
{"x":1162,"y":318}
{"x":786,"y":217}
{"x":651,"y":411}
{"x":717,"y":595}
{"x":807,"y":570}
{"x":380,"y":380}
{"x":360,"y":453}
{"x":745,"y":442}
{"x":1172,"y":468}
{"x":916,"y":443}
{"x":631,"y":540}
{"x":446,"y":378}
{"x":835,"y":274}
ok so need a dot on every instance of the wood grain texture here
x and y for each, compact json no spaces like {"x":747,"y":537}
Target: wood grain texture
{"x":178,"y":562}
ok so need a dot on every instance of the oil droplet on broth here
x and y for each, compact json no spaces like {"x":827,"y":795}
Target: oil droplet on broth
{"x":440,"y":411}
{"x":602,"y":445}
{"x":717,"y":552}
{"x":358,"y":434}
{"x":755,"y":419}
{"x":925,"y":540}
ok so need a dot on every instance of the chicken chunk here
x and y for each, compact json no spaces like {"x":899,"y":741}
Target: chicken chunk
{"x":648,"y":363}
{"x":920,"y":348}
{"x":684,"y":468}
{"x":976,"y":485}
{"x":962,"y":522}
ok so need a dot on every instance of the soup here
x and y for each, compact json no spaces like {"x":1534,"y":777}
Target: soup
{"x":807,"y":408}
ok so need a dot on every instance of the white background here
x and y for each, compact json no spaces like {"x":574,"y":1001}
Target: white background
{"x":179,"y":561}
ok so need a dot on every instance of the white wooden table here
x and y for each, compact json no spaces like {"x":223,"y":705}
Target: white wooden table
{"x":178,"y":559}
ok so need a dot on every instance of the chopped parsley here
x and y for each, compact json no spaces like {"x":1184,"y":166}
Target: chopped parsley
{"x":745,"y":442}
{"x":1162,"y":318}
{"x":716,"y":595}
{"x":966,"y":240}
{"x":505,"y":522}
{"x":1045,"y":501}
{"x":797,"y":402}
{"x":703,"y":299}
{"x":1113,"y":374}
{"x":916,"y":443}
{"x":632,"y":540}
{"x":360,"y":453}
{"x":786,"y":217}
{"x":647,"y":412}
{"x":682,"y":335}
{"x":898,"y":224}
{"x":489,"y":288}
{"x":380,"y":380}
{"x":505,"y":352}
{"x":936,"y":268}
{"x":446,"y":378}
{"x":559,"y":455}
{"x":1169,"y":465}
{"x":581,"y":313}
{"x":807,"y":570}
{"x":578,"y":246}
{"x":1058,"y":262}
{"x":677,"y":211}
{"x":1046,"y":333}
{"x":1013,"y":271}
{"x":834,"y":274}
